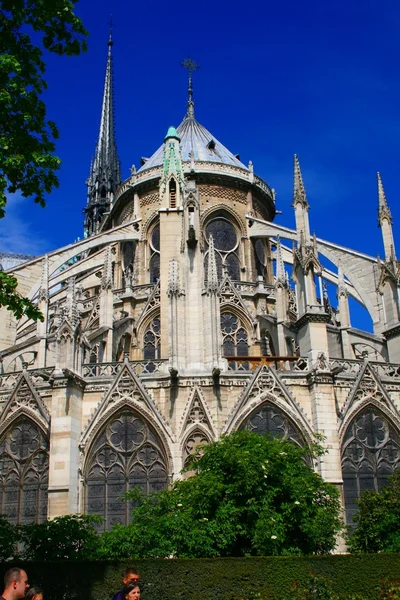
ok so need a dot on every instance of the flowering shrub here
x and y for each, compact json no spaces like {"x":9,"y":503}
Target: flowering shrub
{"x":252,"y":495}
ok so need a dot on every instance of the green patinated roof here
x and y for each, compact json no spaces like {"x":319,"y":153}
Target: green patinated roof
{"x":172,"y":133}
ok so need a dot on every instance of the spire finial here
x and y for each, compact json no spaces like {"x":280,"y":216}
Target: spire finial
{"x":191,"y":67}
{"x":111,"y":24}
{"x":299,"y":189}
{"x":383,"y":207}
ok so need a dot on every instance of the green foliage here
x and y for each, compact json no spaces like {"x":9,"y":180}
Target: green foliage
{"x":27,"y":138}
{"x":389,"y":590}
{"x":318,"y":588}
{"x":11,"y":299}
{"x":207,"y":579}
{"x":9,"y":537}
{"x":378,"y":520}
{"x":253,"y":495}
{"x":72,"y":537}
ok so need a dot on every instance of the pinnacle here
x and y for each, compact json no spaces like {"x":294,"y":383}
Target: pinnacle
{"x":299,"y":189}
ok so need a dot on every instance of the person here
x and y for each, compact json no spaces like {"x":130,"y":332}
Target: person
{"x":131,"y":591}
{"x":34,"y":593}
{"x":15,"y":584}
{"x":130,"y":574}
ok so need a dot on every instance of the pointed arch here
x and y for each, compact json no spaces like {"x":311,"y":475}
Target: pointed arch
{"x":24,"y":472}
{"x":126,"y":452}
{"x":370,"y":449}
{"x":266,"y":386}
{"x":195,"y":437}
{"x":270,"y":418}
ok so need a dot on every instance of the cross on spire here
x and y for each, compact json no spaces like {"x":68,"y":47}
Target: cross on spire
{"x":191,"y":67}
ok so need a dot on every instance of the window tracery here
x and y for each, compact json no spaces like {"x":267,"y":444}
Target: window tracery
{"x":24,"y":473}
{"x":234,"y":336}
{"x":154,"y":265}
{"x":370,"y":453}
{"x":226,"y":247}
{"x":127,"y":453}
{"x":268,"y":418}
{"x":152,"y":340}
{"x":194,"y":440}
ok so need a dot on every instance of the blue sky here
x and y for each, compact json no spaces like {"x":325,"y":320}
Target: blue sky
{"x":310,"y":77}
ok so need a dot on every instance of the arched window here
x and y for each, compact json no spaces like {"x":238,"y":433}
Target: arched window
{"x":154,"y":264}
{"x":194,"y":440}
{"x":151,"y":340}
{"x":234,"y":336}
{"x":226,"y":244}
{"x":127,"y":453}
{"x":24,"y":473}
{"x":268,"y":418}
{"x":370,"y":453}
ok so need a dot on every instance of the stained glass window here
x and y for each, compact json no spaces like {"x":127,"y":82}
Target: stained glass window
{"x":234,"y":336}
{"x":268,"y":418}
{"x":151,"y":340}
{"x":370,"y":453}
{"x":224,"y":234}
{"x":226,"y":243}
{"x":24,"y":473}
{"x":127,"y":453}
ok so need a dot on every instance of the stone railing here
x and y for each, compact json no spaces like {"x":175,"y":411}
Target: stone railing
{"x":107,"y":370}
{"x":352,"y":367}
{"x":8,"y":380}
{"x":281,"y":363}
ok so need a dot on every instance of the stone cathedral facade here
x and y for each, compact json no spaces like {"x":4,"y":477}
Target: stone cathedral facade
{"x":175,"y":321}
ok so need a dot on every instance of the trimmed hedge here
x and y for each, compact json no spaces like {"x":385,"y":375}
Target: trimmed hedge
{"x":208,"y":579}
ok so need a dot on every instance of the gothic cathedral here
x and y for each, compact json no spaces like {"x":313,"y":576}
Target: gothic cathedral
{"x":186,"y":313}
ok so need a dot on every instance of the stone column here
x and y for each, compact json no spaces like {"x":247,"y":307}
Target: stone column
{"x":66,"y":428}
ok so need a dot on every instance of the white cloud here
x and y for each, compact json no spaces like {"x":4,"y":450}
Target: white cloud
{"x":16,"y":234}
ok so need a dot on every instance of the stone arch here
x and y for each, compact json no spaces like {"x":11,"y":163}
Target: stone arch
{"x":194,"y":437}
{"x":237,"y":331}
{"x":24,"y":472}
{"x":238,"y":219}
{"x":150,"y":222}
{"x":291,"y":411}
{"x":145,"y":326}
{"x":126,"y":450}
{"x":370,"y":451}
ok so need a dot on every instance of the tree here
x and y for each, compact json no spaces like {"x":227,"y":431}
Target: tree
{"x":252,"y":495}
{"x":378,"y":520}
{"x":71,"y":537}
{"x":9,"y":538}
{"x":27,"y":137}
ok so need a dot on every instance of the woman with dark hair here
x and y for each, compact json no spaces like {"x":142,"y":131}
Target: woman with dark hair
{"x":34,"y":593}
{"x":131,"y":591}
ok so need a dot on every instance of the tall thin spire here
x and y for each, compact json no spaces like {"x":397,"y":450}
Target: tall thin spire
{"x":299,"y":189}
{"x":383,"y":207}
{"x":191,"y":67}
{"x":385,"y":221}
{"x":105,"y":171}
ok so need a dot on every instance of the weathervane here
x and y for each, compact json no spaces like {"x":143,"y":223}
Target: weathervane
{"x":191,"y":67}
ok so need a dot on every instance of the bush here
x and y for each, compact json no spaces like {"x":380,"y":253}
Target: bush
{"x":378,"y":520}
{"x":207,"y":579}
